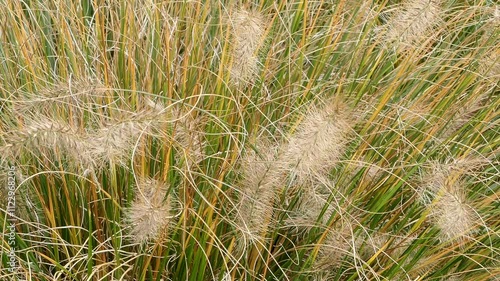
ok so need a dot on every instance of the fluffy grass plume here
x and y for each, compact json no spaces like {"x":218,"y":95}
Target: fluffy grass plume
{"x":151,"y":212}
{"x":43,"y":136}
{"x":262,"y":178}
{"x":412,"y":23}
{"x":318,"y":143}
{"x":454,"y":217}
{"x":116,"y":140}
{"x":338,"y":243}
{"x":75,"y":96}
{"x":247,"y":29}
{"x":444,"y":194}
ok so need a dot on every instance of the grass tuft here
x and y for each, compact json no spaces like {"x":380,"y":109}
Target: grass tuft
{"x":271,"y":140}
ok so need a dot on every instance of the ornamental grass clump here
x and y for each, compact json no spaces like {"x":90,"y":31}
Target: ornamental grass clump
{"x":137,"y":130}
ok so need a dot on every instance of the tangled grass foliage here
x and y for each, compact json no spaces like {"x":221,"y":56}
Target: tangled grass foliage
{"x":249,"y":140}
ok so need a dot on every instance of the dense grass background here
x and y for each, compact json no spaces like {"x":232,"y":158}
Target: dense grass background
{"x":250,"y":140}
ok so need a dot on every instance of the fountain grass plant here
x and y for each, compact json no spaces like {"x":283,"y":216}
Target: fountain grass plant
{"x":249,"y":140}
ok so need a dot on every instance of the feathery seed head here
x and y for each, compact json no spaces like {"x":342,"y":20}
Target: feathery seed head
{"x":115,"y":140}
{"x":75,"y":94}
{"x":259,"y":167}
{"x":113,"y":143}
{"x":157,"y":107}
{"x":47,"y":132}
{"x":309,"y":211}
{"x":317,"y":145}
{"x":189,"y":135}
{"x":360,"y":12}
{"x":489,"y":66}
{"x":338,"y":243}
{"x":261,"y":180}
{"x":247,"y":31}
{"x":412,"y":22}
{"x":493,"y":20}
{"x":40,"y":132}
{"x":442,"y":192}
{"x":314,"y":207}
{"x":446,"y":176}
{"x":150,"y":213}
{"x":453,"y":216}
{"x":25,"y":207}
{"x":489,"y":61}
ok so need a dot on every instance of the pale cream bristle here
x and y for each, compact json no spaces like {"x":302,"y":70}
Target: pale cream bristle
{"x":360,"y":12}
{"x":151,"y":212}
{"x":443,"y":194}
{"x":315,"y":207}
{"x":453,"y":216}
{"x":317,"y":145}
{"x":116,"y":140}
{"x":489,"y":61}
{"x":338,"y":244}
{"x":189,"y":136}
{"x":489,"y":67}
{"x":247,"y":31}
{"x":39,"y":133}
{"x":76,"y":95}
{"x":114,"y":143}
{"x":412,"y":23}
{"x":262,"y":178}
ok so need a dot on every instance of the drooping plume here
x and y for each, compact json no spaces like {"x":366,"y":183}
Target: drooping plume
{"x":40,"y":133}
{"x":489,"y":60}
{"x":188,"y":131}
{"x":114,"y":141}
{"x":315,"y":207}
{"x":338,"y":243}
{"x":74,"y":97}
